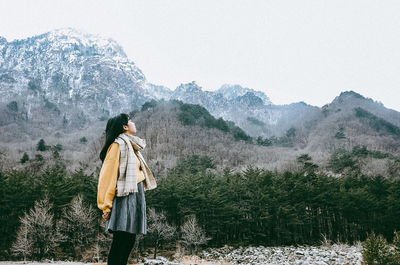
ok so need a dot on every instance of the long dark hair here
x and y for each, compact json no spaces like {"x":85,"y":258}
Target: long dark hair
{"x":114,"y":128}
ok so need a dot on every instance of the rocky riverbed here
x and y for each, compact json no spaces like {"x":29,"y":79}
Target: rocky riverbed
{"x":336,"y":254}
{"x":321,"y":255}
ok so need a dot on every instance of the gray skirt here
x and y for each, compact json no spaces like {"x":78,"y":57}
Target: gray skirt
{"x":128,"y":213}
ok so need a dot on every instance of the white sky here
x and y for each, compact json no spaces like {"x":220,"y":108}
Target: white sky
{"x":292,"y":50}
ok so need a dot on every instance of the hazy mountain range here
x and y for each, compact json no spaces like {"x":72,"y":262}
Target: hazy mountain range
{"x":69,"y":77}
{"x":67,"y":81}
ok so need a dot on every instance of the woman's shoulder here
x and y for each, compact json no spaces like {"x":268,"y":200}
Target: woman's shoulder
{"x":113,"y":147}
{"x":112,"y":152}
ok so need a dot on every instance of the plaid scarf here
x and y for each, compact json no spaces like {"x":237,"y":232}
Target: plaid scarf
{"x":128,"y":170}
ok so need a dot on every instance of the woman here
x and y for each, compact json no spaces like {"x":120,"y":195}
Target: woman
{"x":124,"y":178}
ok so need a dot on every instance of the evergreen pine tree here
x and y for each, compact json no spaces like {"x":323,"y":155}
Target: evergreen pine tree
{"x":24,"y":158}
{"x":41,"y":145}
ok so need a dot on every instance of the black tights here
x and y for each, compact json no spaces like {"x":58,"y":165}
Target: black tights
{"x":122,"y":244}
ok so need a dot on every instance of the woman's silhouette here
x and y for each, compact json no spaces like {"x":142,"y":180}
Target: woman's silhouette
{"x":124,"y":177}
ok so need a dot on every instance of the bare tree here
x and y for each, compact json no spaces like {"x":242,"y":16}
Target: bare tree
{"x":159,"y":229}
{"x":99,"y":250}
{"x":192,"y":234}
{"x":78,"y":225}
{"x":37,"y":232}
{"x":22,"y":245}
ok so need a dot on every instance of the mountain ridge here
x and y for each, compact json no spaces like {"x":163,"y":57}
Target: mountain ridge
{"x":66,"y":78}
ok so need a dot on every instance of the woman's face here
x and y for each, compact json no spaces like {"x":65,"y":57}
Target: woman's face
{"x":130,"y":128}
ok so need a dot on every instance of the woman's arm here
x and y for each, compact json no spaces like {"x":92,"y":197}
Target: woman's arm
{"x":108,"y":178}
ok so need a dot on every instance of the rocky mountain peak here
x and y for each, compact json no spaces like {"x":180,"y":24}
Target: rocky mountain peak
{"x":68,"y":45}
{"x":231,"y":92}
{"x":249,"y":99}
{"x":350,"y":94}
{"x":78,"y":40}
{"x":349,"y":99}
{"x":191,"y":87}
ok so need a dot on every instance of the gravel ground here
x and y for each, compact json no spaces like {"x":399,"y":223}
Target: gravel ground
{"x":41,"y":263}
{"x":337,"y":254}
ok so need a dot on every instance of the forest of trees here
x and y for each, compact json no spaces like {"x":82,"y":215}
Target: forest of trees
{"x":271,"y":208}
{"x":255,"y":207}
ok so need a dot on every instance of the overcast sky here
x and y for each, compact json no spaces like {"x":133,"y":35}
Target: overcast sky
{"x":292,"y":50}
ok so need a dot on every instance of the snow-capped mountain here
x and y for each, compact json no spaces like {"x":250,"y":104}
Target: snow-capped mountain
{"x":69,"y":68}
{"x":68,"y":78}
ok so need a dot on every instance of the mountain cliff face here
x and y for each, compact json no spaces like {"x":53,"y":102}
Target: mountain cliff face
{"x":64,"y":76}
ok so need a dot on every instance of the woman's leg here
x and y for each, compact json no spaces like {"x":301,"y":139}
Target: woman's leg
{"x":128,"y":245}
{"x":116,"y":250}
{"x":121,"y":247}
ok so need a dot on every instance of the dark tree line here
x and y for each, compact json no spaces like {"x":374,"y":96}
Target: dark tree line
{"x":256,"y":207}
{"x":271,"y":208}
